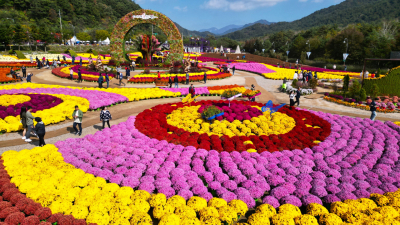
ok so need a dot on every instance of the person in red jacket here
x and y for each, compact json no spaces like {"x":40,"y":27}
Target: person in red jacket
{"x":191,"y":90}
{"x":158,"y":74}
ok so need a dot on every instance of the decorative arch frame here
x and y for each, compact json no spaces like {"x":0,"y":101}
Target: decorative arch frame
{"x":142,"y":16}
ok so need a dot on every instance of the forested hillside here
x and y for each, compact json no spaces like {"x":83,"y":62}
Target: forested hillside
{"x":347,"y":12}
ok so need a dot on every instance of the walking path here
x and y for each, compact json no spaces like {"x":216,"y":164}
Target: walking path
{"x":91,"y":122}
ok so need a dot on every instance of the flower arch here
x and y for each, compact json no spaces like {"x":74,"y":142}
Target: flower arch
{"x":145,"y":16}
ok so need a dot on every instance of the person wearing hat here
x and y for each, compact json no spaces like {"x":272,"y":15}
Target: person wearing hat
{"x":40,"y":131}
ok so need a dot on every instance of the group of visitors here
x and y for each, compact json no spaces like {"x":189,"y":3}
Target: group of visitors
{"x":24,"y":75}
{"x":27,"y":123}
{"x":304,"y":76}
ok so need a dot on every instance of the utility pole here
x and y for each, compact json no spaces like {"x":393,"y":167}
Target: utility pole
{"x":59,"y":13}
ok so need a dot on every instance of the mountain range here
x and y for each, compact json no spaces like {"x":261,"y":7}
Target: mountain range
{"x":232,"y":28}
{"x":343,"y":14}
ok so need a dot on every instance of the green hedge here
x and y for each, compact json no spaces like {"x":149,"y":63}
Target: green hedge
{"x":20,"y":55}
{"x":72,"y":53}
{"x":388,"y":85}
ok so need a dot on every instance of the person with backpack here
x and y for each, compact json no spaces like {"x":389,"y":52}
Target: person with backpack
{"x":40,"y":131}
{"x":372,"y":107}
{"x":100,"y":81}
{"x":105,"y":116}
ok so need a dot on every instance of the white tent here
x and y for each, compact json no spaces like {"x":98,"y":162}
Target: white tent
{"x":106,"y":42}
{"x":221,"y":49}
{"x":73,"y":41}
{"x":238,"y":50}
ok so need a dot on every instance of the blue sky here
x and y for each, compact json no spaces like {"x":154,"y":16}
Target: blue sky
{"x":201,"y":14}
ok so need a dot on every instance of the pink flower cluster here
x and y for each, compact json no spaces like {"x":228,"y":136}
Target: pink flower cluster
{"x":253,"y":67}
{"x":359,"y":157}
{"x":96,"y":99}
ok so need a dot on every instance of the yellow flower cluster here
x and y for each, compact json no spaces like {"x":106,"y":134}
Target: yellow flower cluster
{"x":7,"y":100}
{"x":220,"y":91}
{"x":397,"y":123}
{"x":66,"y":71}
{"x":48,"y":180}
{"x":155,"y":75}
{"x":281,"y":73}
{"x":189,"y":119}
{"x":53,"y":115}
{"x":133,"y":94}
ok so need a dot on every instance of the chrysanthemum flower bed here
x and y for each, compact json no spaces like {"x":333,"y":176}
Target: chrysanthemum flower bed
{"x":165,"y":183}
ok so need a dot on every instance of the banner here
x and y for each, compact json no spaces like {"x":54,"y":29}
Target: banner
{"x":273,"y":50}
{"x":263,"y":50}
{"x":345,"y":55}
{"x":308,"y":54}
{"x":287,"y":52}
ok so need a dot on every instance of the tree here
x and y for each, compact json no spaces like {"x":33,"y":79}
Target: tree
{"x":102,"y":35}
{"x":355,"y":38}
{"x":83,"y":36}
{"x":5,"y":34}
{"x":355,"y":89}
{"x":375,"y":91}
{"x":303,"y":57}
{"x":19,"y":35}
{"x":363,"y":94}
{"x":299,"y":45}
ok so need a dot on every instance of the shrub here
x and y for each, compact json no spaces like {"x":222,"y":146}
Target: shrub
{"x":363,"y":94}
{"x":389,"y":84}
{"x":294,"y":83}
{"x":303,"y":57}
{"x":374,"y":91}
{"x":355,"y":89}
{"x":72,"y":53}
{"x":346,"y":81}
{"x":313,"y":83}
{"x":378,"y":74}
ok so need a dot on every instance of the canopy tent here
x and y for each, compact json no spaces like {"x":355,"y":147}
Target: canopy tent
{"x":73,"y":41}
{"x":106,"y":42}
{"x":238,"y":50}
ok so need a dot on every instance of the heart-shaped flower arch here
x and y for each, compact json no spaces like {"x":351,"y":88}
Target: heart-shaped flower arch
{"x":145,"y":16}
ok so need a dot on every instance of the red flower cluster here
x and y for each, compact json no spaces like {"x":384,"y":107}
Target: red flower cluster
{"x":16,"y":208}
{"x":58,"y":73}
{"x":153,"y":123}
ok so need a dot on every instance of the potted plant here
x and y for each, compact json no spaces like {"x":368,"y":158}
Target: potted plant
{"x":211,"y":112}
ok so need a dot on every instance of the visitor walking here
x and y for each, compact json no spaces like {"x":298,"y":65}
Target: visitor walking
{"x":191,"y":90}
{"x":23,"y":68}
{"x":187,"y":78}
{"x":118,"y":69}
{"x":40,"y":130}
{"x":316,"y":75}
{"x":205,"y":77}
{"x":22,"y":116}
{"x":300,"y":76}
{"x":73,"y":60}
{"x":291,"y":97}
{"x":120,"y":79}
{"x":107,"y":80}
{"x":298,"y":94}
{"x":233,"y":70}
{"x":80,"y":61}
{"x":31,"y":58}
{"x":105,"y":116}
{"x":176,"y":81}
{"x":29,"y":123}
{"x":79,"y":76}
{"x":71,"y":73}
{"x":158,"y":75}
{"x":372,"y":107}
{"x":170,"y":82}
{"x":100,"y":81}
{"x":64,"y":59}
{"x":133,"y":65}
{"x":128,"y":72}
{"x":77,"y":115}
{"x":334,"y":66}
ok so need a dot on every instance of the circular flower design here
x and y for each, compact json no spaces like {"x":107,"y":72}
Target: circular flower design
{"x":7,"y":100}
{"x":160,"y":123}
{"x":38,"y":102}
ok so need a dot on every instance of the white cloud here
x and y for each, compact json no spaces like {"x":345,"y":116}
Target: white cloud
{"x":183,"y":9}
{"x":239,"y":5}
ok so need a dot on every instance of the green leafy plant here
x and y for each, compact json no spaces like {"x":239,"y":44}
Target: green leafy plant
{"x":313,"y":83}
{"x":355,"y":89}
{"x":294,"y":83}
{"x":375,"y":90}
{"x":363,"y":94}
{"x":72,"y":53}
{"x":389,"y":84}
{"x":20,"y":55}
{"x":230,"y":93}
{"x":378,"y":74}
{"x":210,"y":111}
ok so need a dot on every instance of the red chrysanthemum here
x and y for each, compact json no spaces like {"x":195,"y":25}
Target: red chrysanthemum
{"x":79,"y":222}
{"x":31,"y":220}
{"x":43,"y":213}
{"x":15,"y":218}
{"x":22,"y":203}
{"x":55,"y":218}
{"x":15,"y":198}
{"x":7,"y":211}
{"x":7,"y":186}
{"x":31,"y":208}
{"x":4,"y":205}
{"x":66,"y":220}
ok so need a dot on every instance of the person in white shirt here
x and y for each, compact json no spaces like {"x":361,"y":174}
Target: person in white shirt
{"x":334,"y":66}
{"x":366,"y":74}
{"x":71,"y":73}
{"x":291,"y":97}
{"x":77,"y":115}
{"x":295,"y":77}
{"x":133,"y":65}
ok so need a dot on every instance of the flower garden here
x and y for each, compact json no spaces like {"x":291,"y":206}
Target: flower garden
{"x":168,"y":165}
{"x":90,"y":76}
